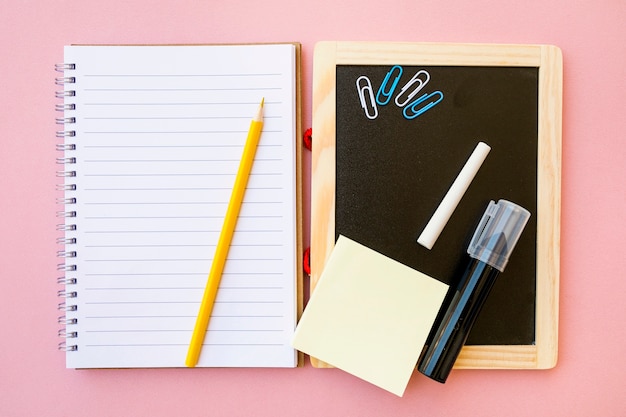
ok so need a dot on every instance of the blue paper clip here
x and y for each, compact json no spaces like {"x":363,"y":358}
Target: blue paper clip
{"x":386,"y":95}
{"x":411,"y":111}
{"x":415,"y":79}
{"x":362,"y":88}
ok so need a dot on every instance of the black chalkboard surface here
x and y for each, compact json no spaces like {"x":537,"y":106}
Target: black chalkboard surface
{"x":392,"y":172}
{"x":379,"y":172}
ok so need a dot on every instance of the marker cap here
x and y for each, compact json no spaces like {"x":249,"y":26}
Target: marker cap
{"x":498,"y":233}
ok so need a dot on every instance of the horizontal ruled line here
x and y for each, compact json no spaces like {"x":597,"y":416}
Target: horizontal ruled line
{"x":176,"y":146}
{"x":150,"y":231}
{"x":180,"y":302}
{"x":177,"y":189}
{"x":177,"y":288}
{"x":162,"y":189}
{"x":181,"y":118}
{"x":173,"y":203}
{"x":182,"y":260}
{"x":182,"y":231}
{"x":180,"y":344}
{"x":159,"y":160}
{"x":142,"y":317}
{"x":174,"y":132}
{"x":149,"y":274}
{"x":248,"y":330}
{"x":151,"y":260}
{"x":186,"y":317}
{"x":159,"y":132}
{"x":154,"y":132}
{"x":179,"y":246}
{"x":173,"y":160}
{"x":206,"y":103}
{"x":180,"y":274}
{"x":179,"y":175}
{"x":181,"y":330}
{"x":248,"y":316}
{"x":174,"y":217}
{"x":269,"y":74}
{"x":140,"y":302}
{"x":138,"y":331}
{"x":185,"y":89}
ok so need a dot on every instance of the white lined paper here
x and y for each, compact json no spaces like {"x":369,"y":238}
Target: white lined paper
{"x":159,"y":135}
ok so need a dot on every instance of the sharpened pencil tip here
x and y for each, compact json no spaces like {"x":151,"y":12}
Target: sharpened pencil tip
{"x":259,"y":114}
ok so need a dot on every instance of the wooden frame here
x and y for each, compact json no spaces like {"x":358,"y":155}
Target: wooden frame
{"x":542,"y":354}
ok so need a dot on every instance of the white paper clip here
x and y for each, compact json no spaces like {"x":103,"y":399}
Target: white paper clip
{"x":416,"y":79}
{"x":363,"y":85}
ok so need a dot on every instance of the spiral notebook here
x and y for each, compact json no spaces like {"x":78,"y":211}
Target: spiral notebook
{"x":153,"y":136}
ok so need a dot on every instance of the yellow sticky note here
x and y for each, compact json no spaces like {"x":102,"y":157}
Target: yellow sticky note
{"x":369,"y":315}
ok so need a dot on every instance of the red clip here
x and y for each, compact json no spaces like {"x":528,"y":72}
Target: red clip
{"x":307,"y":261}
{"x":308,"y":138}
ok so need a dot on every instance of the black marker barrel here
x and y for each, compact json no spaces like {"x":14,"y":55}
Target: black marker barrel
{"x":490,"y":248}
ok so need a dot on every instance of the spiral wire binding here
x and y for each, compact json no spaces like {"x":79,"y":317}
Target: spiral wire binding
{"x":67,"y":268}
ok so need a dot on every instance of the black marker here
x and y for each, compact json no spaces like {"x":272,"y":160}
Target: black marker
{"x":490,"y":248}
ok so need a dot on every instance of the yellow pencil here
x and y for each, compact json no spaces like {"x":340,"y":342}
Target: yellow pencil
{"x":223,"y":244}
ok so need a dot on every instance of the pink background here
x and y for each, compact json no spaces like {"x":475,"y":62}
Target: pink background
{"x":590,"y":378}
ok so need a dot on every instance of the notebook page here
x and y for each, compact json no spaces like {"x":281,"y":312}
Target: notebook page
{"x":159,"y":135}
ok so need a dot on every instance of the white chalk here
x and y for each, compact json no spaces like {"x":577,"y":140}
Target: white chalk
{"x":455,"y":193}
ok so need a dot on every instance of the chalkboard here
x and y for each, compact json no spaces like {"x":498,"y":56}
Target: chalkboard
{"x":380,"y":171}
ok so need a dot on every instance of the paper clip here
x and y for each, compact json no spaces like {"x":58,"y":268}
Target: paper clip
{"x":408,"y":85}
{"x":411,"y":111}
{"x":367,"y":87}
{"x":386,"y":95}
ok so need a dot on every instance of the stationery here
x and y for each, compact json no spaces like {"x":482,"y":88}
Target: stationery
{"x":378,"y":173}
{"x":369,"y":315}
{"x":489,"y":251}
{"x":452,"y":198}
{"x":152,"y":141}
{"x":226,"y":236}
